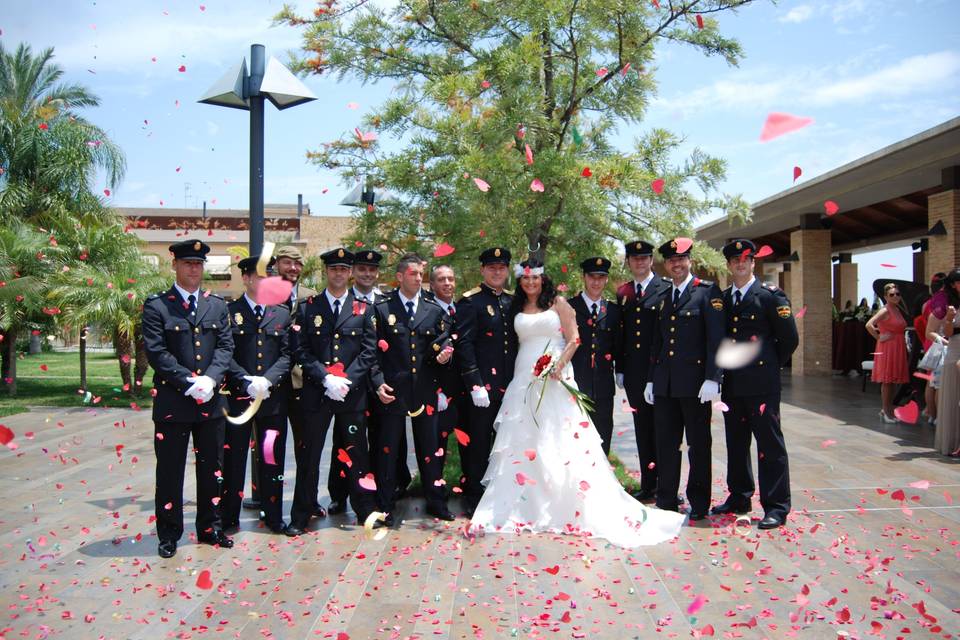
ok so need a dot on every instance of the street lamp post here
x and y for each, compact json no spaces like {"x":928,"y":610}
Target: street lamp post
{"x":240,"y":89}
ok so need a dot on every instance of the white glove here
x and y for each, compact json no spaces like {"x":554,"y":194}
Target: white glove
{"x":259,"y":387}
{"x":940,"y":339}
{"x":709,"y":391}
{"x":442,"y":401}
{"x":648,"y":393}
{"x":480,"y":397}
{"x":201,"y":389}
{"x":619,"y":378}
{"x":337,"y":387}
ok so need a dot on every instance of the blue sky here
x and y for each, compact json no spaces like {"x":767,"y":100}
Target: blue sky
{"x":870,"y":72}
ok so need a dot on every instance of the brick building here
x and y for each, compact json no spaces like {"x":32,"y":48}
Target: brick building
{"x":227,"y":230}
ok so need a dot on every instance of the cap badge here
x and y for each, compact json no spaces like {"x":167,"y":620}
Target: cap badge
{"x":496,"y":252}
{"x":196,"y":246}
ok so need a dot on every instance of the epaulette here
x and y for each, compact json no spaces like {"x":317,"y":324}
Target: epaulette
{"x":698,"y":282}
{"x":387,"y":297}
{"x":472,"y":292}
{"x":211,"y":294}
{"x":156,"y":295}
{"x":431,"y":300}
{"x":509,"y":292}
{"x":769,"y":286}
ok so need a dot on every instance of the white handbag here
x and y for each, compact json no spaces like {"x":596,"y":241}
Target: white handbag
{"x":932,"y":358}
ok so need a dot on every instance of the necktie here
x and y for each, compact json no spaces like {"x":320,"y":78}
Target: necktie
{"x":593,"y":310}
{"x":736,"y":298}
{"x":258,"y":311}
{"x":192,"y":300}
{"x":639,"y":290}
{"x":676,"y":296}
{"x":410,"y":310}
{"x":336,"y":309}
{"x":450,"y":310}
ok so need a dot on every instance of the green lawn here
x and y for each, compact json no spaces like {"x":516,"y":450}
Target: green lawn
{"x":59,"y":384}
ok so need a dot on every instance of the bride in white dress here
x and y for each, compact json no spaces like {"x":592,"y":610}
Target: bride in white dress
{"x":547,"y":471}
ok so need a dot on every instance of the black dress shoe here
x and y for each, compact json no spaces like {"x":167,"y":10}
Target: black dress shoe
{"x":770,"y":522}
{"x":645,"y":494}
{"x":730,"y":507}
{"x":697,"y":515}
{"x":167,"y":548}
{"x":441,"y":513}
{"x":294,"y":530}
{"x":216,"y":538}
{"x":337,"y":507}
{"x":388,"y":520}
{"x":319,"y":512}
{"x":279,"y":527}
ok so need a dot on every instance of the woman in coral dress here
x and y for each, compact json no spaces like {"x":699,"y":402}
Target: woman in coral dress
{"x":890,"y":367}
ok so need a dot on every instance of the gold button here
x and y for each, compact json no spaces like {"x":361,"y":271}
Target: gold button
{"x":198,"y":371}
{"x":413,"y":333}
{"x":673,"y":317}
{"x":734,"y":329}
{"x":736,"y":319}
{"x":698,"y":362}
{"x":259,"y":343}
{"x":671,"y":353}
{"x":673,"y":329}
{"x":413,"y":358}
{"x":199,"y":357}
{"x":260,"y":355}
{"x":414,"y":370}
{"x":197,"y":343}
{"x":672,"y":340}
{"x":638,"y":346}
{"x":336,"y":359}
{"x":336,"y":335}
{"x":176,"y":328}
{"x":760,"y":363}
{"x":195,"y":329}
{"x":336,"y":347}
{"x":638,"y":320}
{"x":638,"y":333}
{"x":259,"y":331}
{"x":413,"y":345}
{"x":259,"y":368}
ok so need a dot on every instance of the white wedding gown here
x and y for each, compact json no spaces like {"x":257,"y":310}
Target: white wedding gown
{"x":549,"y":473}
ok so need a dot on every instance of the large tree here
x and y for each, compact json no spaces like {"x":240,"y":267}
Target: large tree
{"x":507,"y":121}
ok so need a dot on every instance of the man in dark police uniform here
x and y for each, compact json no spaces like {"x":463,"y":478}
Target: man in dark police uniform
{"x":186,"y":334}
{"x":599,"y":325}
{"x":259,"y":370}
{"x":761,"y":314}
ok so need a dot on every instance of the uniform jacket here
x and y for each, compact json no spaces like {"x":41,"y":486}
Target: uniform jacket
{"x":686,"y":340}
{"x":259,"y":349}
{"x":600,"y":347}
{"x":448,"y":377}
{"x":639,"y":322}
{"x":303,"y":292}
{"x":323,"y":341}
{"x":763,"y":314}
{"x":487,"y":342}
{"x":407,"y":352}
{"x":179,"y":346}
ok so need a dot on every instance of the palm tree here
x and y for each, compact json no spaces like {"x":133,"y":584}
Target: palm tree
{"x":106,"y":287}
{"x":28,"y":259}
{"x":49,"y":155}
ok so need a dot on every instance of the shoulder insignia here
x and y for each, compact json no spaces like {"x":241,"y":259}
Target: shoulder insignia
{"x":156,"y":295}
{"x":703,"y":283}
{"x":770,"y":287}
{"x":717,"y":304}
{"x":784,"y":311}
{"x":472,"y":292}
{"x":509,"y":292}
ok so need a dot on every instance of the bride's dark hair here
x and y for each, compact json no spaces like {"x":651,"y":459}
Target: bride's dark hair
{"x":548,"y":293}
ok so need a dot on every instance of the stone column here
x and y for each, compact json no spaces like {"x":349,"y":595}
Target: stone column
{"x":810,"y":289}
{"x":944,"y":207}
{"x":920,"y":267}
{"x":845,"y":281}
{"x":784,"y":277}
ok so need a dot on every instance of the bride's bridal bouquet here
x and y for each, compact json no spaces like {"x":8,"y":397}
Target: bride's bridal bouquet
{"x":545,"y":365}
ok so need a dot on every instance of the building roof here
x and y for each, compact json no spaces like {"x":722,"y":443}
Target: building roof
{"x":882,"y":197}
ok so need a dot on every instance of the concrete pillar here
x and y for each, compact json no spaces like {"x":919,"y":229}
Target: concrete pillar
{"x":810,"y":289}
{"x":845,"y":281}
{"x":944,"y":207}
{"x":784,"y":279}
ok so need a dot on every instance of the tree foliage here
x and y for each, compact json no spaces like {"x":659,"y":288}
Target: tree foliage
{"x":490,"y":97}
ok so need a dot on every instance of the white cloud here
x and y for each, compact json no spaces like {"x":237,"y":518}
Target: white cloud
{"x":846,"y":10}
{"x":817,"y":88}
{"x":212,"y":128}
{"x":798,"y":14}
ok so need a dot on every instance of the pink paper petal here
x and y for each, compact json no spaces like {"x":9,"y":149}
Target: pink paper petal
{"x":764,"y":251}
{"x":481,"y":184}
{"x":273,"y":290}
{"x":830,"y":207}
{"x":797,"y":172}
{"x":368,"y":482}
{"x":778,"y":124}
{"x":443,"y":250}
{"x":529,"y":153}
{"x":268,"y":440}
{"x":908,"y":413}
{"x":801,"y":313}
{"x":683,"y":244}
{"x":657,"y":185}
{"x":536,"y":185}
{"x":920,"y":484}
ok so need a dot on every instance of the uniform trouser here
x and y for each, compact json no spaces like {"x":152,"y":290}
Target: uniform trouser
{"x":602,"y":418}
{"x":743,"y":421}
{"x":354,"y":438}
{"x":645,"y":430}
{"x":170,"y":446}
{"x":268,"y":480}
{"x":672,"y":418}
{"x":448,"y":419}
{"x":426,"y":441}
{"x":295,"y":417}
{"x":475,"y":455}
{"x":403,"y":477}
